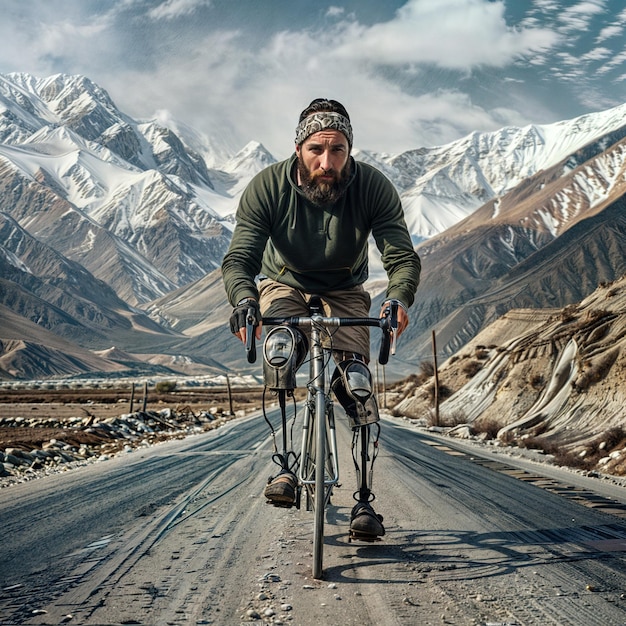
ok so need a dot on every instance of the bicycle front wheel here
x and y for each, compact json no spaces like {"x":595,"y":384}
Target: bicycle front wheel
{"x":319,"y":503}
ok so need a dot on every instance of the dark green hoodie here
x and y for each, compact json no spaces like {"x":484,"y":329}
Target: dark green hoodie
{"x":281,"y":235}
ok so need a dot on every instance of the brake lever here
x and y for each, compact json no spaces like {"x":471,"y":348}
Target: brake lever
{"x":392,"y":309}
{"x":389,"y":325}
{"x":250,"y":336}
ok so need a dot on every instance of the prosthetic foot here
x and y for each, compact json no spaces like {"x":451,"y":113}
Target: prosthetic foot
{"x":282,"y":490}
{"x":365,"y":524}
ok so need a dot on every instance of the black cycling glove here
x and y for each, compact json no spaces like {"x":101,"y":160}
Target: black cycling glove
{"x":239,"y":317}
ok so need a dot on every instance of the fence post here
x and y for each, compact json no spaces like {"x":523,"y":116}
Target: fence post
{"x":230,"y":396}
{"x":384,"y":388}
{"x":145,"y":396}
{"x":436,"y":380}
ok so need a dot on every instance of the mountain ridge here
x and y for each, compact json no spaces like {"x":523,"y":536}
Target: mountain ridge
{"x":147,"y":208}
{"x":490,"y":249}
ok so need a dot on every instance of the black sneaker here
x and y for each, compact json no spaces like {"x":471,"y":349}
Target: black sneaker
{"x":365,"y":523}
{"x":281,"y":491}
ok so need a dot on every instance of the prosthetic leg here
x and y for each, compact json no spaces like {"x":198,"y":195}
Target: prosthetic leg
{"x":352,"y":385}
{"x":284,"y":350}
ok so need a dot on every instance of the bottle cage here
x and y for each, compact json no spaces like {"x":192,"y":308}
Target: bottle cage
{"x":284,"y":351}
{"x":352,"y":385}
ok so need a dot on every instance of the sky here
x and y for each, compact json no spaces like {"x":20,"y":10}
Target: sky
{"x":411,"y":73}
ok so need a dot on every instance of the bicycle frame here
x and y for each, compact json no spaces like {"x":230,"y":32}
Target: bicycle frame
{"x":318,"y":415}
{"x":318,"y":465}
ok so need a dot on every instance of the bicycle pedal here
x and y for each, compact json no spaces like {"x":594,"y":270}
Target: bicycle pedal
{"x":356,"y":536}
{"x":281,"y":505}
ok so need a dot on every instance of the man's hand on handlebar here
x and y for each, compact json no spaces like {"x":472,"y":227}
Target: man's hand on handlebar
{"x":246,"y":314}
{"x":402,"y":316}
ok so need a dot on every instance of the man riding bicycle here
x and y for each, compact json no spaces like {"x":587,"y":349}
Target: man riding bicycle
{"x":302,"y":229}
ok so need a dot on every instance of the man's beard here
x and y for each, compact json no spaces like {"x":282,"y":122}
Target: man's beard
{"x":321,"y":192}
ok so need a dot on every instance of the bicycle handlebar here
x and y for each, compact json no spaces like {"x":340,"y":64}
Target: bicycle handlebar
{"x":331,"y":322}
{"x":388,"y":324}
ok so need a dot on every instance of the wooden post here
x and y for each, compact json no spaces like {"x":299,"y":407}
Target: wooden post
{"x":230,"y":396}
{"x":376,"y":379}
{"x":384,"y":389}
{"x":436,"y":380}
{"x":145,"y":396}
{"x":132,"y":397}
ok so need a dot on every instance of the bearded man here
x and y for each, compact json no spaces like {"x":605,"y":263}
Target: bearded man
{"x":302,"y":229}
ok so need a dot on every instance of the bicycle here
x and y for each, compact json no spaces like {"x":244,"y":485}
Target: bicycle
{"x":316,"y":466}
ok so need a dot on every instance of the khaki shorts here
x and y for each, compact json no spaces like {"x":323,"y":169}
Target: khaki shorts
{"x":276,"y":300}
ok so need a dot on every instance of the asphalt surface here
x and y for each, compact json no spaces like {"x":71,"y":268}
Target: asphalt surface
{"x":180,"y":534}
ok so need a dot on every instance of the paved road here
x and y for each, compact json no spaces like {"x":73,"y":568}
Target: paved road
{"x":179,"y":534}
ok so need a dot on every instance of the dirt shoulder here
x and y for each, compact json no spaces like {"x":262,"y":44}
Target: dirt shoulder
{"x":29,"y":418}
{"x":45,"y":431}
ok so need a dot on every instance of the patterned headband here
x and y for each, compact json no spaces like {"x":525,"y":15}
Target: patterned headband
{"x":321,"y":121}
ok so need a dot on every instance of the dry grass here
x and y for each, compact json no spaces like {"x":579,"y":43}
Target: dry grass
{"x":447,"y":419}
{"x":587,"y":459}
{"x":490,"y":427}
{"x":471,"y":368}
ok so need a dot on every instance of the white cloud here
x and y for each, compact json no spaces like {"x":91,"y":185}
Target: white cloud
{"x":454,"y":34}
{"x":64,"y":39}
{"x":576,"y":19}
{"x":546,"y":5}
{"x":614,"y":30}
{"x":597,"y":54}
{"x":171,"y":9}
{"x":614,"y":62}
{"x":334,"y":11}
{"x":567,"y":60}
{"x":262,"y":92}
{"x":428,"y":120}
{"x":426,"y":75}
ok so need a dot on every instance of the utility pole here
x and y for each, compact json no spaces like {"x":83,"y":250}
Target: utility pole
{"x":436,"y":380}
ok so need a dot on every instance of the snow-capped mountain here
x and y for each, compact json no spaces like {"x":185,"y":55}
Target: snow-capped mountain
{"x":442,"y":185}
{"x":234,"y":175}
{"x":548,"y":243}
{"x":146,"y":208}
{"x":127,"y":199}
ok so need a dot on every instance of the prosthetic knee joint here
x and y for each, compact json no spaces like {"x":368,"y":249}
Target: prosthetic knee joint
{"x":352,"y":385}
